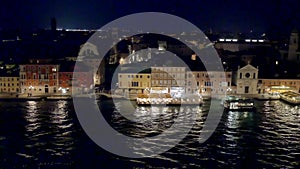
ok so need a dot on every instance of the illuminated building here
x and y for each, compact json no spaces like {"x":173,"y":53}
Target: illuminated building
{"x":132,"y":83}
{"x":78,"y":82}
{"x":39,"y":78}
{"x":167,"y":78}
{"x":247,"y":80}
{"x":207,"y":82}
{"x":9,"y":83}
{"x":278,"y":85}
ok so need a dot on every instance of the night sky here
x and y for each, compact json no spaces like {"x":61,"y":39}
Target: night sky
{"x":219,"y":15}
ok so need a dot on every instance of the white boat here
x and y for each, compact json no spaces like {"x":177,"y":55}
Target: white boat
{"x":268,"y":96}
{"x":236,"y":103}
{"x":290,"y":97}
{"x":167,"y":99}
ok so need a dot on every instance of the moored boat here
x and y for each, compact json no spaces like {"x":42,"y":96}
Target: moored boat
{"x":290,"y":97}
{"x":268,"y":96}
{"x":167,"y":99}
{"x":236,"y":103}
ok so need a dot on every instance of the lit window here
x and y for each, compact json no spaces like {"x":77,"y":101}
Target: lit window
{"x":54,"y":69}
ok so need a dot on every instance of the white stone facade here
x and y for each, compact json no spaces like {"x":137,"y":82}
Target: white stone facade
{"x":247,"y":79}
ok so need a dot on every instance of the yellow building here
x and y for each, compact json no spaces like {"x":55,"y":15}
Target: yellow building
{"x":132,"y":83}
{"x":9,"y":83}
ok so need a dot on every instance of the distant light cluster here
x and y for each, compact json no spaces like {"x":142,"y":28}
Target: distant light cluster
{"x":246,"y":40}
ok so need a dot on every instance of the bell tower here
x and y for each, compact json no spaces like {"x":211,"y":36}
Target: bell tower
{"x":294,"y":53}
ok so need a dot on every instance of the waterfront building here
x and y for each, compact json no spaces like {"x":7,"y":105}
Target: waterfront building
{"x":168,"y":79}
{"x":247,"y":80}
{"x":203,"y":82}
{"x":9,"y":82}
{"x":132,"y":83}
{"x":278,"y":85}
{"x":90,"y":55}
{"x":71,"y":82}
{"x":39,"y":78}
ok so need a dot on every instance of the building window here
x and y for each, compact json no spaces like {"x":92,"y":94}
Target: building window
{"x":247,"y":75}
{"x":254,"y":75}
{"x":240,"y":75}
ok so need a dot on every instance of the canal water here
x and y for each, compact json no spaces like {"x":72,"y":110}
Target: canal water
{"x":47,"y":134}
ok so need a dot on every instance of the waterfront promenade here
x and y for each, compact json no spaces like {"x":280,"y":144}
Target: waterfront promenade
{"x":25,"y":96}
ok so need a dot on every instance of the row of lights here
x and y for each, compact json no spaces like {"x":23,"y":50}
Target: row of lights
{"x":246,"y":40}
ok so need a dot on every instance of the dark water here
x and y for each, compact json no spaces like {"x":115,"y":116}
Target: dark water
{"x":48,"y":135}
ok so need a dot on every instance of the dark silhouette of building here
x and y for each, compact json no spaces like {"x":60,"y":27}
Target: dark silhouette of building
{"x":53,"y":24}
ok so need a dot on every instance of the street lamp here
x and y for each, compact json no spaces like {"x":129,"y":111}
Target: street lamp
{"x":228,"y":90}
{"x":30,"y":88}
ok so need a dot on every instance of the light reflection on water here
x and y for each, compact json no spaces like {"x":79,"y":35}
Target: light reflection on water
{"x":43,"y":135}
{"x":37,"y":133}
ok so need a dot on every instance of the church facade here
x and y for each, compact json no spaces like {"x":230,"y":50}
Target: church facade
{"x":247,"y":80}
